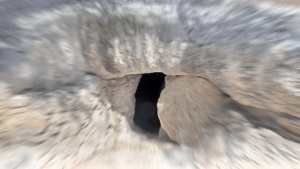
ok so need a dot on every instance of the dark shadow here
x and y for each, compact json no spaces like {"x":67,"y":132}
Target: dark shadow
{"x":147,"y":95}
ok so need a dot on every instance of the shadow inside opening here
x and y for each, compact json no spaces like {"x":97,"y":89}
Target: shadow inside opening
{"x":147,"y":95}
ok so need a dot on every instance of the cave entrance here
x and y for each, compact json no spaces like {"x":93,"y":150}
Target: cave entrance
{"x":147,"y":95}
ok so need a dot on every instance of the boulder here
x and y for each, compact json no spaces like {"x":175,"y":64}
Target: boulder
{"x":187,"y":106}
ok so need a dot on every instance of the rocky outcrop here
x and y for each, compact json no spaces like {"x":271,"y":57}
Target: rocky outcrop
{"x":69,"y":70}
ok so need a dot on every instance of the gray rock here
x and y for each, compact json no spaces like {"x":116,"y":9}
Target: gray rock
{"x":69,"y":69}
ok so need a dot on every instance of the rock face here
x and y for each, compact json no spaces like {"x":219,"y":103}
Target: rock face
{"x":187,"y":106}
{"x":69,"y":71}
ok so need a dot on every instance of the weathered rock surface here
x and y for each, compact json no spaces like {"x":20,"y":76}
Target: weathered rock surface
{"x":187,"y":106}
{"x":69,"y":69}
{"x":238,"y":144}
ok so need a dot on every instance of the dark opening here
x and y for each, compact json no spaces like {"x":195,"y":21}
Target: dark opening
{"x":146,"y":96}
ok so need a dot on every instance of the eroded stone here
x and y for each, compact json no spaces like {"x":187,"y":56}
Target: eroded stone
{"x":187,"y":106}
